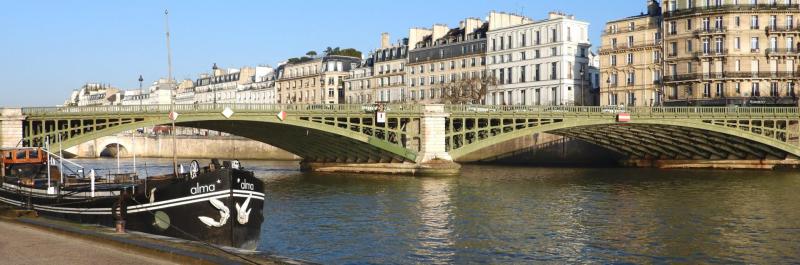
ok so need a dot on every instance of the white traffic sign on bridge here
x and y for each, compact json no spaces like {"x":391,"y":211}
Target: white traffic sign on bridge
{"x":624,"y":117}
{"x":381,"y":116}
{"x":227,"y":112}
{"x":173,"y":115}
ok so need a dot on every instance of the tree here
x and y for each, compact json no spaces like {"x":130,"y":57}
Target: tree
{"x":311,"y":54}
{"x":467,"y":91}
{"x":343,"y":52}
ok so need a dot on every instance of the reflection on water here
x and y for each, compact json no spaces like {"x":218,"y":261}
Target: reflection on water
{"x":435,"y":216}
{"x":493,"y":214}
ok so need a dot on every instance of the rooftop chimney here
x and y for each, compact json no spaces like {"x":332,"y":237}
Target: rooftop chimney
{"x":416,"y":35}
{"x":385,"y":40}
{"x":472,"y":24}
{"x":439,"y":30}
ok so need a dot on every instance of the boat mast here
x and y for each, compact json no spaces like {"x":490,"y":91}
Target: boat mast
{"x":172,"y":96}
{"x":47,"y":147}
{"x":61,"y":160}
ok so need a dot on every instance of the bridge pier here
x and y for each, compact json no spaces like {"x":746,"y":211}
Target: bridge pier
{"x":10,"y":126}
{"x":432,"y":157}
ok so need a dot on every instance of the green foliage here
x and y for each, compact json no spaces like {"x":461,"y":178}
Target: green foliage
{"x":300,"y":59}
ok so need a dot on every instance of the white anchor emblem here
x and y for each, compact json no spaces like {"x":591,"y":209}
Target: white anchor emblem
{"x":241,"y":215}
{"x":224,"y":213}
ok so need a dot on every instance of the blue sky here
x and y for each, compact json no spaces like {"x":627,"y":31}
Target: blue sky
{"x":49,"y":48}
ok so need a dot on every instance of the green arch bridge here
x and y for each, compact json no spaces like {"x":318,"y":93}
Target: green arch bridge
{"x":414,"y":135}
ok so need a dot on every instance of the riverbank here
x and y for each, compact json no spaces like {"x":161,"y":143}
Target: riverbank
{"x":72,"y":243}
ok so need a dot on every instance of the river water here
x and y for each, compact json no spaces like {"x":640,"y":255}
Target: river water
{"x":499,"y":214}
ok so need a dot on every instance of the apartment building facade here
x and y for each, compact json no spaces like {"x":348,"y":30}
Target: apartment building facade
{"x":631,"y":60}
{"x":731,"y":52}
{"x":713,"y":53}
{"x":442,"y":55}
{"x":359,"y":84}
{"x":317,"y":81}
{"x":389,"y":62}
{"x":543,"y":62}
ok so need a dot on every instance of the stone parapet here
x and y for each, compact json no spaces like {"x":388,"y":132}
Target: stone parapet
{"x":10,"y":126}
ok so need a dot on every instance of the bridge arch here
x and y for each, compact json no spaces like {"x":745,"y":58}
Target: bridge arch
{"x":651,"y":138}
{"x":112,"y":149}
{"x":314,"y":140}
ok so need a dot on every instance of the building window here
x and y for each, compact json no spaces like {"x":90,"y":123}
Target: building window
{"x":630,"y":80}
{"x":754,"y":90}
{"x":673,"y":28}
{"x":673,"y":49}
{"x":630,"y":58}
{"x":773,"y":89}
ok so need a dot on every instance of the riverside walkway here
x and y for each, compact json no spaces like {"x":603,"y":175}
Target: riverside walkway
{"x":27,"y":244}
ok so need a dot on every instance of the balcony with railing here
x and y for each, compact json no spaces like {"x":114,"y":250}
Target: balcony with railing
{"x":682,"y":77}
{"x":731,"y":7}
{"x":628,"y":46}
{"x":775,"y":29}
{"x":782,"y":52}
{"x":710,"y":31}
{"x":762,"y":74}
{"x":628,"y":29}
{"x":710,"y":53}
{"x":730,"y":75}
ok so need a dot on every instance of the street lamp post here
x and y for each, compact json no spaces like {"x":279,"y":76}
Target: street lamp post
{"x":581,"y":84}
{"x":608,"y":86}
{"x":141,"y":92}
{"x":214,"y":87}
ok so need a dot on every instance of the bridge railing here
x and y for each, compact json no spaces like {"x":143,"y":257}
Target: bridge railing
{"x":571,"y":111}
{"x":219,"y":107}
{"x":565,"y":111}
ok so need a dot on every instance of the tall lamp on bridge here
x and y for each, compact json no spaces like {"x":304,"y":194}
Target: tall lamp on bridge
{"x":141,"y":92}
{"x":214,"y":88}
{"x":580,"y":102}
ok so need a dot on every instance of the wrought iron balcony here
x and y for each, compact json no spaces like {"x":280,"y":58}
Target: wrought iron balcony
{"x":710,"y":31}
{"x":629,"y":29}
{"x":626,"y":45}
{"x":711,"y":53}
{"x":722,"y":75}
{"x":730,"y":7}
{"x":683,"y":77}
{"x":781,"y":29}
{"x":783,"y":51}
